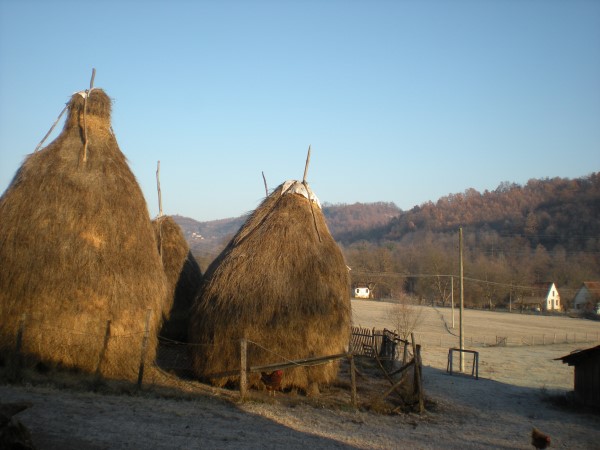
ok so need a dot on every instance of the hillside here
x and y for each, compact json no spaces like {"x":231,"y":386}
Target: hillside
{"x":515,"y":236}
{"x":555,"y":211}
{"x":206,"y":239}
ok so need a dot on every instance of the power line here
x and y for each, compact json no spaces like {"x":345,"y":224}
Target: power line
{"x":473,"y":280}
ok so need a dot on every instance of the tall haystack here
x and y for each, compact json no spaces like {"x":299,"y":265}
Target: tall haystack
{"x":282,"y":283}
{"x":183,"y":276}
{"x":77,"y":249}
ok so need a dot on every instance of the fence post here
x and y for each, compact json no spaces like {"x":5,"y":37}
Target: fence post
{"x":144,"y":346}
{"x":103,"y":350}
{"x":353,"y":398}
{"x":417,"y":378}
{"x":15,"y":368}
{"x":243,"y":368}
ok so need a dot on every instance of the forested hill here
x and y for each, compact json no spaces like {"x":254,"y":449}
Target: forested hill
{"x":515,"y":236}
{"x":556,"y":209}
{"x":548,"y":211}
{"x":358,"y":219}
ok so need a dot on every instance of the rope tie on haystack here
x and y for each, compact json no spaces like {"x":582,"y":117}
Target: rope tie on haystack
{"x":85,"y":95}
{"x":51,"y":128}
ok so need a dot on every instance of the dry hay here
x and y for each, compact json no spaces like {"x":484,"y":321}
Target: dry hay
{"x":183,"y":276}
{"x":280,"y":284}
{"x":78,"y":249}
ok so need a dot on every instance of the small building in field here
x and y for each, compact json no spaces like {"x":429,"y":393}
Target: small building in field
{"x":587,"y":375}
{"x":587,"y":298}
{"x":542,"y":297}
{"x":362,"y":290}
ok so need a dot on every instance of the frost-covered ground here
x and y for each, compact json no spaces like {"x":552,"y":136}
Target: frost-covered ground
{"x":496,"y":411}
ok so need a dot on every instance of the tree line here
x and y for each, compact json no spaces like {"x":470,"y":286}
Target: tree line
{"x":514,"y":237}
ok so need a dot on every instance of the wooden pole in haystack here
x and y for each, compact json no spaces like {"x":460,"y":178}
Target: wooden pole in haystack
{"x":308,"y":193}
{"x":160,"y":209}
{"x":306,"y":166}
{"x":85,"y":135}
{"x":265,"y":182}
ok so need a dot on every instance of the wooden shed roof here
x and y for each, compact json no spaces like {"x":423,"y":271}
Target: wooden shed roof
{"x":575,"y":358}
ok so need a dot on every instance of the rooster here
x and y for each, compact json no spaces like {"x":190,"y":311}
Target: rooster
{"x":272,"y":380}
{"x":539,"y":439}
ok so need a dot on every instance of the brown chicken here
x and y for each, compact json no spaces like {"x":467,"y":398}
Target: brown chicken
{"x":539,"y":439}
{"x":272,"y":380}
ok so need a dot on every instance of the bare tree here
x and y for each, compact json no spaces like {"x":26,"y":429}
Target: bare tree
{"x":405,"y":316}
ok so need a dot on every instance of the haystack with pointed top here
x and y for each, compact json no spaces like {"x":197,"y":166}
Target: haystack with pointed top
{"x":283,"y":284}
{"x":77,"y":249}
{"x":183,"y":276}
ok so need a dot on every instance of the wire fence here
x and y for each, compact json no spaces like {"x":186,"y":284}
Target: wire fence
{"x":109,"y":351}
{"x":104,"y":349}
{"x":450,"y":340}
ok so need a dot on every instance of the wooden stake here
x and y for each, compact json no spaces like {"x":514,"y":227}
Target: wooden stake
{"x":353,"y":397}
{"x":103,"y":350}
{"x":14,"y":374}
{"x":418,"y":374}
{"x":144,"y":346}
{"x":243,"y":368}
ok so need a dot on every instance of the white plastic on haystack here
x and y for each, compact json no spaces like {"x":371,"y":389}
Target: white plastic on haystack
{"x":297,"y":187}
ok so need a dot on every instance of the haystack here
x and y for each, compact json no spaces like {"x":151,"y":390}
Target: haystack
{"x":77,"y":249}
{"x":282,"y":283}
{"x":183,"y":276}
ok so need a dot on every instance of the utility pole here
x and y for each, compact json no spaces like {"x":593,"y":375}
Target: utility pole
{"x":462,"y":297}
{"x":452,"y":298}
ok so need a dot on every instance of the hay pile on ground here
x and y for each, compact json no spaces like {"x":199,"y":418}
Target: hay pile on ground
{"x":183,"y":276}
{"x":77,"y":249}
{"x":282,"y":283}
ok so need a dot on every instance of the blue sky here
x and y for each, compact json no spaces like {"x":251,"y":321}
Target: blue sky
{"x":402,"y":101}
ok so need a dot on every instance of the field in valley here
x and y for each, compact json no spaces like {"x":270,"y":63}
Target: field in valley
{"x":497,"y":411}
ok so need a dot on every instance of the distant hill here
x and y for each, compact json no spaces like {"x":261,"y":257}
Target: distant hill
{"x":552,"y":226}
{"x":207,"y":239}
{"x":550,"y":212}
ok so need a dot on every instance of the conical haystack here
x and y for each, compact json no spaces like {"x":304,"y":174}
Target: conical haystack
{"x":282,"y":283}
{"x":183,"y":276}
{"x":77,"y":249}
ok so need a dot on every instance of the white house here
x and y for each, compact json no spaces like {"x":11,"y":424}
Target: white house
{"x":587,"y":297}
{"x":543,"y":297}
{"x":362,"y":291}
